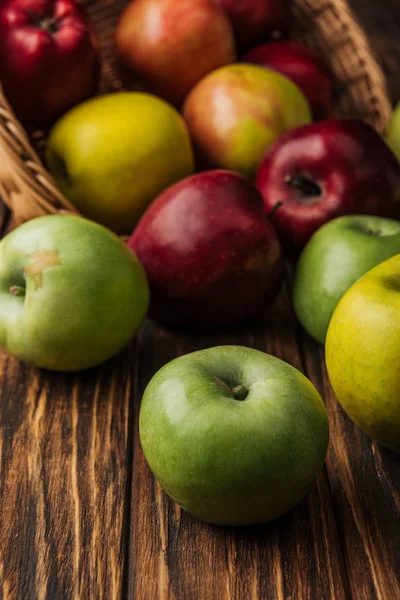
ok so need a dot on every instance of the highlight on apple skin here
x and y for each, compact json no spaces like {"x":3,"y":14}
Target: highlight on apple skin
{"x":325,"y":170}
{"x":362,"y":353}
{"x":49,"y":58}
{"x":112,"y":155}
{"x":209,"y":252}
{"x":72,"y":294}
{"x":169,"y":46}
{"x":237,"y":112}
{"x":235,"y":436}
{"x":335,"y":257}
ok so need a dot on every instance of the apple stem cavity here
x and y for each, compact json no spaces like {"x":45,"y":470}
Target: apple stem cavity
{"x":238,"y":392}
{"x":17,"y":290}
{"x":49,"y":24}
{"x":304,"y":184}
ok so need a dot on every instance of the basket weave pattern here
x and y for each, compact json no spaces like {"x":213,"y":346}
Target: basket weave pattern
{"x":327,"y":25}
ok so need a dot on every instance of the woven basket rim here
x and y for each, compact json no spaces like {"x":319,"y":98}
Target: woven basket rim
{"x":29,"y":190}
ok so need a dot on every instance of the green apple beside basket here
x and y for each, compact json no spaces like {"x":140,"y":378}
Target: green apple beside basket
{"x":328,"y":25}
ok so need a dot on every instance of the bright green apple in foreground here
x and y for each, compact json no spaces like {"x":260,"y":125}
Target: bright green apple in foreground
{"x":233,"y":435}
{"x":72,"y":294}
{"x":363,"y":353}
{"x":112,"y":155}
{"x":338,"y":254}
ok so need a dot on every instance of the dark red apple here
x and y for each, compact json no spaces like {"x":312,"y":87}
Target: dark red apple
{"x":169,"y":45}
{"x":303,"y":66}
{"x":254,"y":21}
{"x":324,"y":170}
{"x":210,"y":254}
{"x":48,"y":57}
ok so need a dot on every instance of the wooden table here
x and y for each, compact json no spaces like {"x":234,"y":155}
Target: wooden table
{"x":81,"y":516}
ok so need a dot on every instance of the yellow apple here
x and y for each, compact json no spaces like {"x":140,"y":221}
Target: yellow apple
{"x":363,"y":353}
{"x":112,"y":155}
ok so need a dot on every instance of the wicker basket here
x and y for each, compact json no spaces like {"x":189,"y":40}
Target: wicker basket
{"x":328,"y":25}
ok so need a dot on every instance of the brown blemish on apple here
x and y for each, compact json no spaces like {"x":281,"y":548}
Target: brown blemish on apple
{"x":41,"y":260}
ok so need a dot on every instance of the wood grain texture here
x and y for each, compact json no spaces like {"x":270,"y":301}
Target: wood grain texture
{"x":174,"y":556}
{"x":64,"y":471}
{"x":81,"y":515}
{"x":365,"y":485}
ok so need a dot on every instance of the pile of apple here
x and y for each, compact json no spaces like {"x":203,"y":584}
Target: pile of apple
{"x":232,"y":434}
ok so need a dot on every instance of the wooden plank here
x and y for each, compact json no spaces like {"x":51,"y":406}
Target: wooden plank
{"x":365,"y":485}
{"x":172,"y":555}
{"x":64,"y":464}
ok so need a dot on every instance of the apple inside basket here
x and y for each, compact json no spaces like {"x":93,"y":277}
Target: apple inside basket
{"x":329,"y":27}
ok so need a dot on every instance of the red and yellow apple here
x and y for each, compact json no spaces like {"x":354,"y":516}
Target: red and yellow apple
{"x":170,"y":45}
{"x":237,"y":112}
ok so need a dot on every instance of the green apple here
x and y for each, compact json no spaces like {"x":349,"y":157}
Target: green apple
{"x":363,"y":353}
{"x":72,"y":294}
{"x":394,"y":132}
{"x":338,"y":254}
{"x":112,"y":155}
{"x":235,"y":436}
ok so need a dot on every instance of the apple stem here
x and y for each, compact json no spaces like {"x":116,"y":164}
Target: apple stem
{"x":17,"y":290}
{"x":240,"y":392}
{"x":274,"y":209}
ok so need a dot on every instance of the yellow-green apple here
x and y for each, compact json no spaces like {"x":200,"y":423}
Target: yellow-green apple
{"x":338,"y":254}
{"x":394,"y":132}
{"x":254,"y":21}
{"x":48,"y":57}
{"x":326,"y":170}
{"x":210,"y":254}
{"x":171,"y":44}
{"x":237,"y":112}
{"x":305,"y":67}
{"x":72,"y":294}
{"x":233,"y":435}
{"x":363,"y":353}
{"x":113,"y":154}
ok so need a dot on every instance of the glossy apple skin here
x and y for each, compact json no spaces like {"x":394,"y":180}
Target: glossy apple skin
{"x":353,"y":168}
{"x":71,"y":293}
{"x":170,"y":45}
{"x":232,"y":461}
{"x":113,"y":154}
{"x":303,"y":66}
{"x":254,"y":21}
{"x":363,"y":353}
{"x":336,"y":256}
{"x":48,"y":57}
{"x":210,"y":255}
{"x":237,"y":112}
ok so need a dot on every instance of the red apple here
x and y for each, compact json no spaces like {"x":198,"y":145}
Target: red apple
{"x":254,"y":21}
{"x":210,"y":254}
{"x":303,"y":66}
{"x":171,"y":44}
{"x":325,"y":170}
{"x":48,"y":57}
